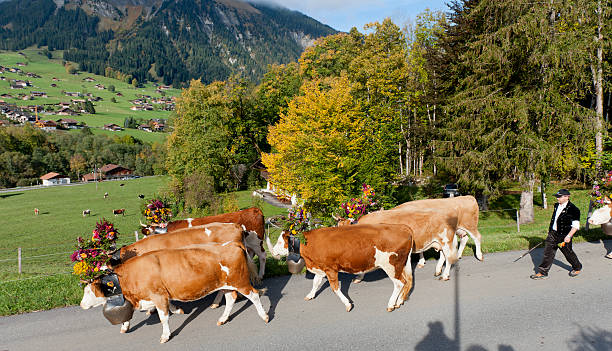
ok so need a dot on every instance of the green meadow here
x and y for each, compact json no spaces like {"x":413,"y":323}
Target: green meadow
{"x":47,"y":240}
{"x":106,"y":111}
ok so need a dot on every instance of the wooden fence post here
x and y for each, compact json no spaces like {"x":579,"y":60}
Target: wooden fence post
{"x":518,"y":226}
{"x":19,"y":259}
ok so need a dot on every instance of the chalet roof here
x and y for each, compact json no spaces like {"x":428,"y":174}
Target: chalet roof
{"x":51,"y":175}
{"x":67,"y":120}
{"x":111,"y":167}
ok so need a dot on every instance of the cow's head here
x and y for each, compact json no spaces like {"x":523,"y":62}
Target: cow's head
{"x":281,"y":248}
{"x":93,"y":295}
{"x":340,"y":221}
{"x":154,"y":228}
{"x":602,"y":215}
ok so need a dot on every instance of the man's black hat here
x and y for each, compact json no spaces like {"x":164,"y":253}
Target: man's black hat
{"x":562,"y":192}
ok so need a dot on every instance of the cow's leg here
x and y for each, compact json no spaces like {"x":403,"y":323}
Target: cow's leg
{"x":359,"y":278}
{"x":475,"y":235}
{"x":163,"y":313}
{"x":217,"y":300}
{"x":464,"y":239}
{"x":440,"y":263}
{"x":421,"y":262}
{"x":124,"y":327}
{"x":316,"y":284}
{"x":175,"y":309}
{"x":332,"y":277}
{"x":449,"y":251}
{"x":253,"y":296}
{"x":230,"y":298}
{"x":391,"y":270}
{"x":255,"y":247}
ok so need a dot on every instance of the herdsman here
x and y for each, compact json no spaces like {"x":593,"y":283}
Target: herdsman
{"x":564,"y":223}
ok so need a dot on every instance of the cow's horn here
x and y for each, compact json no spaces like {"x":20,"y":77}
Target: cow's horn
{"x":271,"y":247}
{"x":143,"y":225}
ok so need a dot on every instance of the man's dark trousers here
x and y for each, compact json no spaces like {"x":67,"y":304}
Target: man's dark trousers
{"x":550,"y":248}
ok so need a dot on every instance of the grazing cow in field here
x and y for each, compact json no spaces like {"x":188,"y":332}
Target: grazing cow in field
{"x":105,"y":195}
{"x":141,"y":196}
{"x":430,"y":229}
{"x":119,"y":212}
{"x":186,"y":274}
{"x":355,"y":249}
{"x":86,"y":212}
{"x":251,"y":218}
{"x":465,"y":208}
{"x":36,"y":211}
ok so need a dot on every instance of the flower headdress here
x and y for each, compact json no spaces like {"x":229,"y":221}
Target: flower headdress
{"x":157,"y":212}
{"x":297,"y":222}
{"x":91,"y":256}
{"x":355,"y":208}
{"x":602,"y":189}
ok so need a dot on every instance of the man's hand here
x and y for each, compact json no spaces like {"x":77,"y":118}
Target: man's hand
{"x":568,"y":238}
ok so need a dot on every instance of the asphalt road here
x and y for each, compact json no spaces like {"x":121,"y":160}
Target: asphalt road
{"x":490,"y":305}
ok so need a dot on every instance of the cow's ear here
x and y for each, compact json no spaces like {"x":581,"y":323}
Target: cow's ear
{"x":607,"y":200}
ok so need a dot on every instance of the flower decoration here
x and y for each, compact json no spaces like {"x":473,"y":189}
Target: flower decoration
{"x":355,"y":208}
{"x":297,"y":221}
{"x":91,"y":255}
{"x":157,"y":212}
{"x":602,"y":189}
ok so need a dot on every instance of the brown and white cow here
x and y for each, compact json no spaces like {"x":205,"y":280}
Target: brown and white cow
{"x":430,"y":229}
{"x":120,"y":211}
{"x":602,"y":215}
{"x":186,"y":274}
{"x":251,"y":218}
{"x":464,"y":208}
{"x":355,"y":249}
{"x":204,"y":234}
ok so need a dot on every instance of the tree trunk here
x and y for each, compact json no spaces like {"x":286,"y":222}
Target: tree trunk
{"x":543,"y":193}
{"x":598,"y":82}
{"x":526,"y":209}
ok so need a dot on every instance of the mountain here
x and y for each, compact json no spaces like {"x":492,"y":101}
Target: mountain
{"x":170,"y":41}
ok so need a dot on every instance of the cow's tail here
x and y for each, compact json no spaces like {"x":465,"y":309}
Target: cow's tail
{"x":407,"y":275}
{"x":253,"y":273}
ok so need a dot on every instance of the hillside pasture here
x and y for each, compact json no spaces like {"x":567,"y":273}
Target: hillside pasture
{"x":107,"y":112}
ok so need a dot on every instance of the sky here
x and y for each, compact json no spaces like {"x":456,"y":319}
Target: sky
{"x":344,"y":14}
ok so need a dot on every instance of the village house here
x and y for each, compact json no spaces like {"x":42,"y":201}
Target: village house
{"x":145,"y":127}
{"x":66,"y":111}
{"x":112,"y":127}
{"x":46,"y":125}
{"x":75,"y":93}
{"x":108,"y":172}
{"x":21,"y":64}
{"x":6,"y":96}
{"x":53,"y":178}
{"x":100,"y":86}
{"x":68,"y":123}
{"x":41,"y":94}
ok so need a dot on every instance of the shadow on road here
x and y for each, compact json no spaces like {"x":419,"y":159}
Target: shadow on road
{"x":436,"y":339}
{"x":591,"y":339}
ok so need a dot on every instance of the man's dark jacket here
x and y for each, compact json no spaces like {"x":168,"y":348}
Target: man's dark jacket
{"x":564,"y":222}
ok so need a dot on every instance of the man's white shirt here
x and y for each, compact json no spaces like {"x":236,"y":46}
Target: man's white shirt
{"x":575,"y":224}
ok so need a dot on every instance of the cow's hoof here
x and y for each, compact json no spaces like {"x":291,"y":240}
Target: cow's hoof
{"x":420,"y":265}
{"x":307,"y":298}
{"x":163,"y":339}
{"x":179,"y":311}
{"x":214,"y":305}
{"x":481,"y":259}
{"x":437,"y":274}
{"x":220,"y":323}
{"x":267,"y":319}
{"x":123,"y":331}
{"x":357,"y":281}
{"x":390,"y":309}
{"x":444,"y":278}
{"x":349,"y":308}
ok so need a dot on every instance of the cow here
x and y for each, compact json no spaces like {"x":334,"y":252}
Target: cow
{"x":86,"y":212}
{"x":204,"y":234}
{"x":105,"y":195}
{"x":119,"y":212}
{"x":185,"y":274}
{"x":355,"y":249}
{"x":430,"y":229}
{"x":36,"y":211}
{"x":602,"y":215}
{"x":141,"y":196}
{"x":252,"y":218}
{"x":465,"y":208}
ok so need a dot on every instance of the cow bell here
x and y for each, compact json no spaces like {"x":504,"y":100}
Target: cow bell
{"x":118,"y":310}
{"x":607,"y":228}
{"x":295,"y":263}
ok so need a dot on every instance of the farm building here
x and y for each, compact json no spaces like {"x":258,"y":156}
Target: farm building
{"x":108,"y":172}
{"x":53,"y":178}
